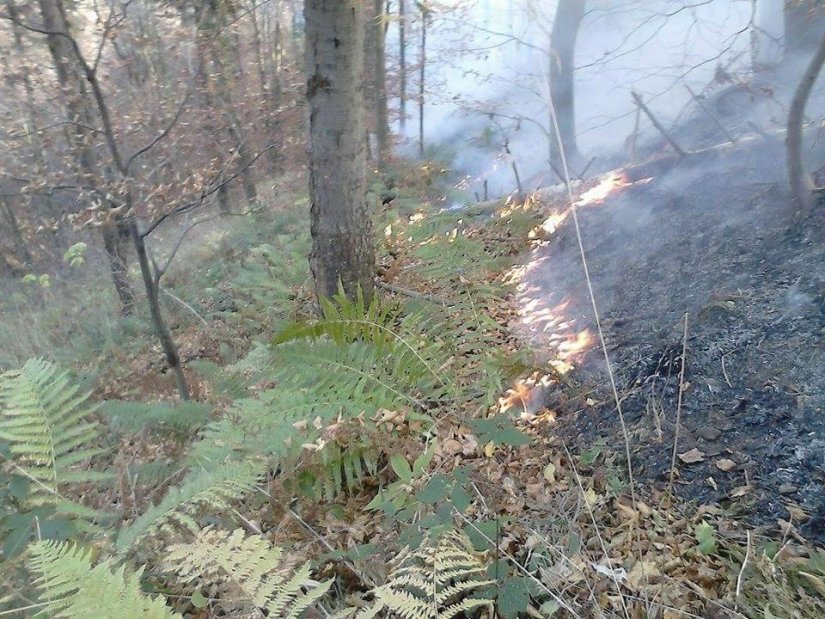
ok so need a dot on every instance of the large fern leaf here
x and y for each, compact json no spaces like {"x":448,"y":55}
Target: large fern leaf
{"x":211,"y":491}
{"x":46,"y":422}
{"x":251,"y":564}
{"x":74,"y":589}
{"x":438,"y":580}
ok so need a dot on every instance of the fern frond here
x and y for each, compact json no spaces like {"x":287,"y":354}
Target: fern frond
{"x":133,"y":417}
{"x":201,"y":491}
{"x":250,"y":563}
{"x":354,"y":371}
{"x":273,"y":425}
{"x":74,"y":589}
{"x":46,"y":422}
{"x":435,"y":581}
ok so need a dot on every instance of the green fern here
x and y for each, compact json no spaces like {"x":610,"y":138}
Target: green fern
{"x":73,"y":589}
{"x":223,"y":382}
{"x":134,"y":417}
{"x":435,"y":581}
{"x":367,"y":346}
{"x":46,"y":423}
{"x":212,"y":491}
{"x":251,"y":564}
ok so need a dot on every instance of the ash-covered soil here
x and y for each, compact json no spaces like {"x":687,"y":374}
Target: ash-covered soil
{"x":711,"y":238}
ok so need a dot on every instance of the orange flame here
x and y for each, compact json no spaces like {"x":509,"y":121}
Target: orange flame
{"x":609,"y":185}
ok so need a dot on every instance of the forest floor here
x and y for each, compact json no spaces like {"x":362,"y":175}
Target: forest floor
{"x":545,"y":495}
{"x":708,"y":241}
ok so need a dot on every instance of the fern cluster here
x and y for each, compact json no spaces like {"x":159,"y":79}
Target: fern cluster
{"x":73,"y":589}
{"x":46,"y":423}
{"x":202,"y":490}
{"x":438,"y":580}
{"x":251,"y":565}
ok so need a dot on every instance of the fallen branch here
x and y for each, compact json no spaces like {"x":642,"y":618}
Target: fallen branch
{"x":638,"y":99}
{"x":410,"y":293}
{"x":710,"y":114}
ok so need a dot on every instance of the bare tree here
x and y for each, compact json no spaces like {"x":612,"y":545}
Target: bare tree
{"x":802,"y":184}
{"x":342,"y":239}
{"x":73,"y":78}
{"x":569,"y":15}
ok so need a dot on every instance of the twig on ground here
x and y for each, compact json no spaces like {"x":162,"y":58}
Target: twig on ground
{"x":669,"y":494}
{"x":411,"y":293}
{"x":742,"y":571}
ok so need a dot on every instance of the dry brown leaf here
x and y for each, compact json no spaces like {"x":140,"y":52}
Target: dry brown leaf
{"x":725,"y":464}
{"x":692,"y":456}
{"x":740,"y":491}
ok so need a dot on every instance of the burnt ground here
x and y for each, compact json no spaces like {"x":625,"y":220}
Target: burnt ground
{"x":711,"y":238}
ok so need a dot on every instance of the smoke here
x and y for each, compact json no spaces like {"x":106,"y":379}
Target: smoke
{"x":486,"y":86}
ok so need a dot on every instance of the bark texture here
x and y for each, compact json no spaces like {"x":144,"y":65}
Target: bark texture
{"x":802,"y":185}
{"x":563,"y":36}
{"x":342,"y":239}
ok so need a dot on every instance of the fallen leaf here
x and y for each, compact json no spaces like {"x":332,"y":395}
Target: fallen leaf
{"x":692,"y":456}
{"x":550,"y":473}
{"x":740,"y":491}
{"x":712,"y":483}
{"x":490,"y":449}
{"x":725,"y":464}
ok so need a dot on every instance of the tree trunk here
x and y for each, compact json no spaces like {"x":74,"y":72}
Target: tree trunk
{"x":803,"y":24}
{"x":342,"y":239}
{"x":382,"y":130}
{"x":402,"y":63}
{"x":422,"y":80}
{"x":152,"y":285}
{"x":768,"y":34}
{"x":80,"y":109}
{"x":17,"y":235}
{"x":802,"y":185}
{"x":566,"y":24}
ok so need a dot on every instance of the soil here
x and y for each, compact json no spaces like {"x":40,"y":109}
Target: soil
{"x":712,"y":239}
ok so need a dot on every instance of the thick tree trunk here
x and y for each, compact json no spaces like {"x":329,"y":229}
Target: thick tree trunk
{"x":802,"y":185}
{"x":566,"y":24}
{"x":342,"y":240}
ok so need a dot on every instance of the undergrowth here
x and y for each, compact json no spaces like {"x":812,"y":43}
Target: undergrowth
{"x":371,"y":433}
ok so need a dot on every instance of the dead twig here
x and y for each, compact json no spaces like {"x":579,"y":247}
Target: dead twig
{"x":411,"y":293}
{"x":742,"y":571}
{"x":711,"y":115}
{"x":638,"y":99}
{"x":678,"y":413}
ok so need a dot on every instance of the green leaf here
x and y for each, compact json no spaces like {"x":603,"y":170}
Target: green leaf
{"x":422,"y":462}
{"x":589,"y":456}
{"x":513,"y":597}
{"x":199,"y":600}
{"x":499,"y":430}
{"x":477,"y":532}
{"x":19,"y":487}
{"x":705,"y":536}
{"x":435,"y":490}
{"x":401,"y":467}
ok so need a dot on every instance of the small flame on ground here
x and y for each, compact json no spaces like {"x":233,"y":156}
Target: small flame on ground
{"x":609,"y":185}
